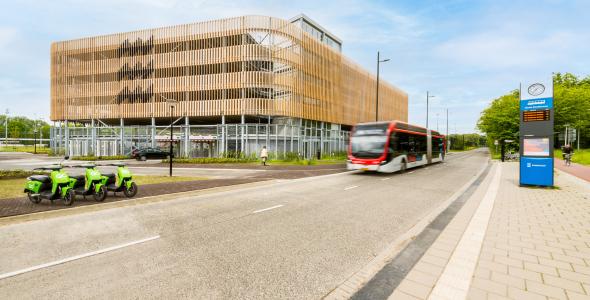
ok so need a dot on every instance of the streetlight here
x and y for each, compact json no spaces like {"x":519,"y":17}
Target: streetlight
{"x":436,"y":121}
{"x":172,"y":105}
{"x":428,"y":96}
{"x":379,"y":61}
{"x":6,"y":128}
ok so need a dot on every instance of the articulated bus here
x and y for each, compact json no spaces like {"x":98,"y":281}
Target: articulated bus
{"x":393,"y":146}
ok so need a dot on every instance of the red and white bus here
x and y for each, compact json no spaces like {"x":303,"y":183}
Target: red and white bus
{"x":393,"y":146}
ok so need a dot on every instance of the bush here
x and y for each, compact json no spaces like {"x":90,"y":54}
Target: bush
{"x":211,"y":160}
{"x":10,"y":174}
{"x":93,"y":158}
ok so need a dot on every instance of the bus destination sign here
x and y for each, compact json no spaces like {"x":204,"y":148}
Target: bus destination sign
{"x":536,"y":115}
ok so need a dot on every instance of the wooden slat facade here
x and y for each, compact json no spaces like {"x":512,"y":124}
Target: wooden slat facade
{"x":251,"y":65}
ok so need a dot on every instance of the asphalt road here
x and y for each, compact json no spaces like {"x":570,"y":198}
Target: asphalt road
{"x":292,"y":239}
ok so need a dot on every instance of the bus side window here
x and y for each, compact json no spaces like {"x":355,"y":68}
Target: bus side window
{"x":402,"y":143}
{"x":393,"y":143}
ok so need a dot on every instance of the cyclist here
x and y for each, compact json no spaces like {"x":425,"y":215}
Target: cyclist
{"x":567,"y":154}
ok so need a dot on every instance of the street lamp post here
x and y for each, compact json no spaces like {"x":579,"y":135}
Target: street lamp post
{"x":6,"y":127}
{"x":172,"y":104}
{"x":379,"y":61}
{"x":428,"y":96}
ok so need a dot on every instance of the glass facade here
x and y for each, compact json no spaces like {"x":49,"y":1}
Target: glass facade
{"x":321,"y":35}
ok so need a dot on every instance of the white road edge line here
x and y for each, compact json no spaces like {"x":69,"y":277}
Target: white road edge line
{"x":72,"y":258}
{"x":351,"y":187}
{"x":386,"y":178}
{"x":265,"y":209}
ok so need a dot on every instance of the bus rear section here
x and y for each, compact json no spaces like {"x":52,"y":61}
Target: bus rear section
{"x":393,"y":146}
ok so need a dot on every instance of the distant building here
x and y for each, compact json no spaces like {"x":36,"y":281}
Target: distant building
{"x":255,"y":80}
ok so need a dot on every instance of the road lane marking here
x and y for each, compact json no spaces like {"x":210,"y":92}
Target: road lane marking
{"x":72,"y":258}
{"x":265,"y":209}
{"x":410,"y":172}
{"x":386,"y":178}
{"x":351,"y":187}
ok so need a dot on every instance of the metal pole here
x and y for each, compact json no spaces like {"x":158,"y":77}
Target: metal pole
{"x":447,"y":130}
{"x":427,"y":98}
{"x":377,"y":93}
{"x":171,"y":137}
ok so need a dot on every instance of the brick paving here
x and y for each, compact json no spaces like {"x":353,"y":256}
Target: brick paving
{"x":536,"y":245}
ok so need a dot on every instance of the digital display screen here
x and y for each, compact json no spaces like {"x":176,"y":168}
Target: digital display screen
{"x":536,"y":147}
{"x":535,"y":115}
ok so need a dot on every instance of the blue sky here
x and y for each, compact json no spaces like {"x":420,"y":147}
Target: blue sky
{"x":464,"y":52}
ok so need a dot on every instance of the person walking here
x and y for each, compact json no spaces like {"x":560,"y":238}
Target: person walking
{"x":567,"y":154}
{"x":263,"y":155}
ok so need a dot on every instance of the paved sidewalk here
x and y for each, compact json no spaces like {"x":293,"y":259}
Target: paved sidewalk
{"x":533,"y":244}
{"x":575,"y":169}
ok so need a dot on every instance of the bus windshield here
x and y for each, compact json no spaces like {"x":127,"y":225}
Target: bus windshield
{"x":368,"y":141}
{"x":368,"y":146}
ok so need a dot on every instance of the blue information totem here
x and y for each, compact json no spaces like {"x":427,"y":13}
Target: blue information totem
{"x":536,"y":133}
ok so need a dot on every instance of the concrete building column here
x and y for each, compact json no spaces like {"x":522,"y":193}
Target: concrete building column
{"x":222,"y":146}
{"x":242,"y":122}
{"x":153,"y":134}
{"x":122,"y":137}
{"x":187,"y":132}
{"x":93,"y":137}
{"x":67,"y":138}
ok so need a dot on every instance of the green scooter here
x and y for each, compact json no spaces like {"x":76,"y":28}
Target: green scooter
{"x":91,"y":183}
{"x":122,"y":182}
{"x":55,"y":186}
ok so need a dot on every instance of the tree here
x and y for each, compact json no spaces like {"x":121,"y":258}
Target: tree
{"x":571,"y":106}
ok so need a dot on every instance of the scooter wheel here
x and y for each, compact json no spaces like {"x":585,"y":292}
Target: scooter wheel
{"x":34,"y":199}
{"x":69,"y":198}
{"x":101,"y":194}
{"x":131,"y":191}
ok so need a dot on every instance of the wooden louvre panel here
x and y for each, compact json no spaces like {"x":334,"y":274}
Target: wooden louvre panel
{"x":252,"y":65}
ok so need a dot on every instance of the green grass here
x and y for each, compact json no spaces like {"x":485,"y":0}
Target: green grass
{"x":29,"y":149}
{"x":149,"y":179}
{"x":11,"y":188}
{"x":581,"y":156}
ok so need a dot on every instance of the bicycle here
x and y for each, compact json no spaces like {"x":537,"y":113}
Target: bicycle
{"x":568,"y":159}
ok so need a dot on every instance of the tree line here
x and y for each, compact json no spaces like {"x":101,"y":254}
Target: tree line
{"x":500,"y":120}
{"x":23,"y":127}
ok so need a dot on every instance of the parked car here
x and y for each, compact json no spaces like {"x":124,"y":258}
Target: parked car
{"x":145,"y":153}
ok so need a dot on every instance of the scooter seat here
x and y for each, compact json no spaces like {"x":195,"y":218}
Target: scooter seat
{"x":41,"y":178}
{"x":78,"y":177}
{"x":111,"y":177}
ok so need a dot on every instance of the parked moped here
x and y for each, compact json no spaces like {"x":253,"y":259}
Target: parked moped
{"x":121,"y":182}
{"x":55,"y":186}
{"x":91,"y":183}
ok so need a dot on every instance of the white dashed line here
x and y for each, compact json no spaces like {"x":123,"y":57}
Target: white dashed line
{"x":265,"y":209}
{"x":386,"y":178}
{"x":72,"y":258}
{"x":351,"y":187}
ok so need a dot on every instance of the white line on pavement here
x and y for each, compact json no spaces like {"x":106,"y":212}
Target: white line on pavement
{"x":65,"y":260}
{"x":386,"y":178}
{"x":265,"y":209}
{"x":456,"y":277}
{"x":351,"y":187}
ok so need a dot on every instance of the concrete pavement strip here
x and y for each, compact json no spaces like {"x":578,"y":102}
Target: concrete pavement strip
{"x":355,"y":283}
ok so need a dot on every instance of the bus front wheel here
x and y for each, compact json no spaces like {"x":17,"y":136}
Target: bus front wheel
{"x":403,"y":168}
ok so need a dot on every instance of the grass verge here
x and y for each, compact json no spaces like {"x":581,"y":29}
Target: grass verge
{"x":28,"y":149}
{"x":581,"y":156}
{"x":94,"y":158}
